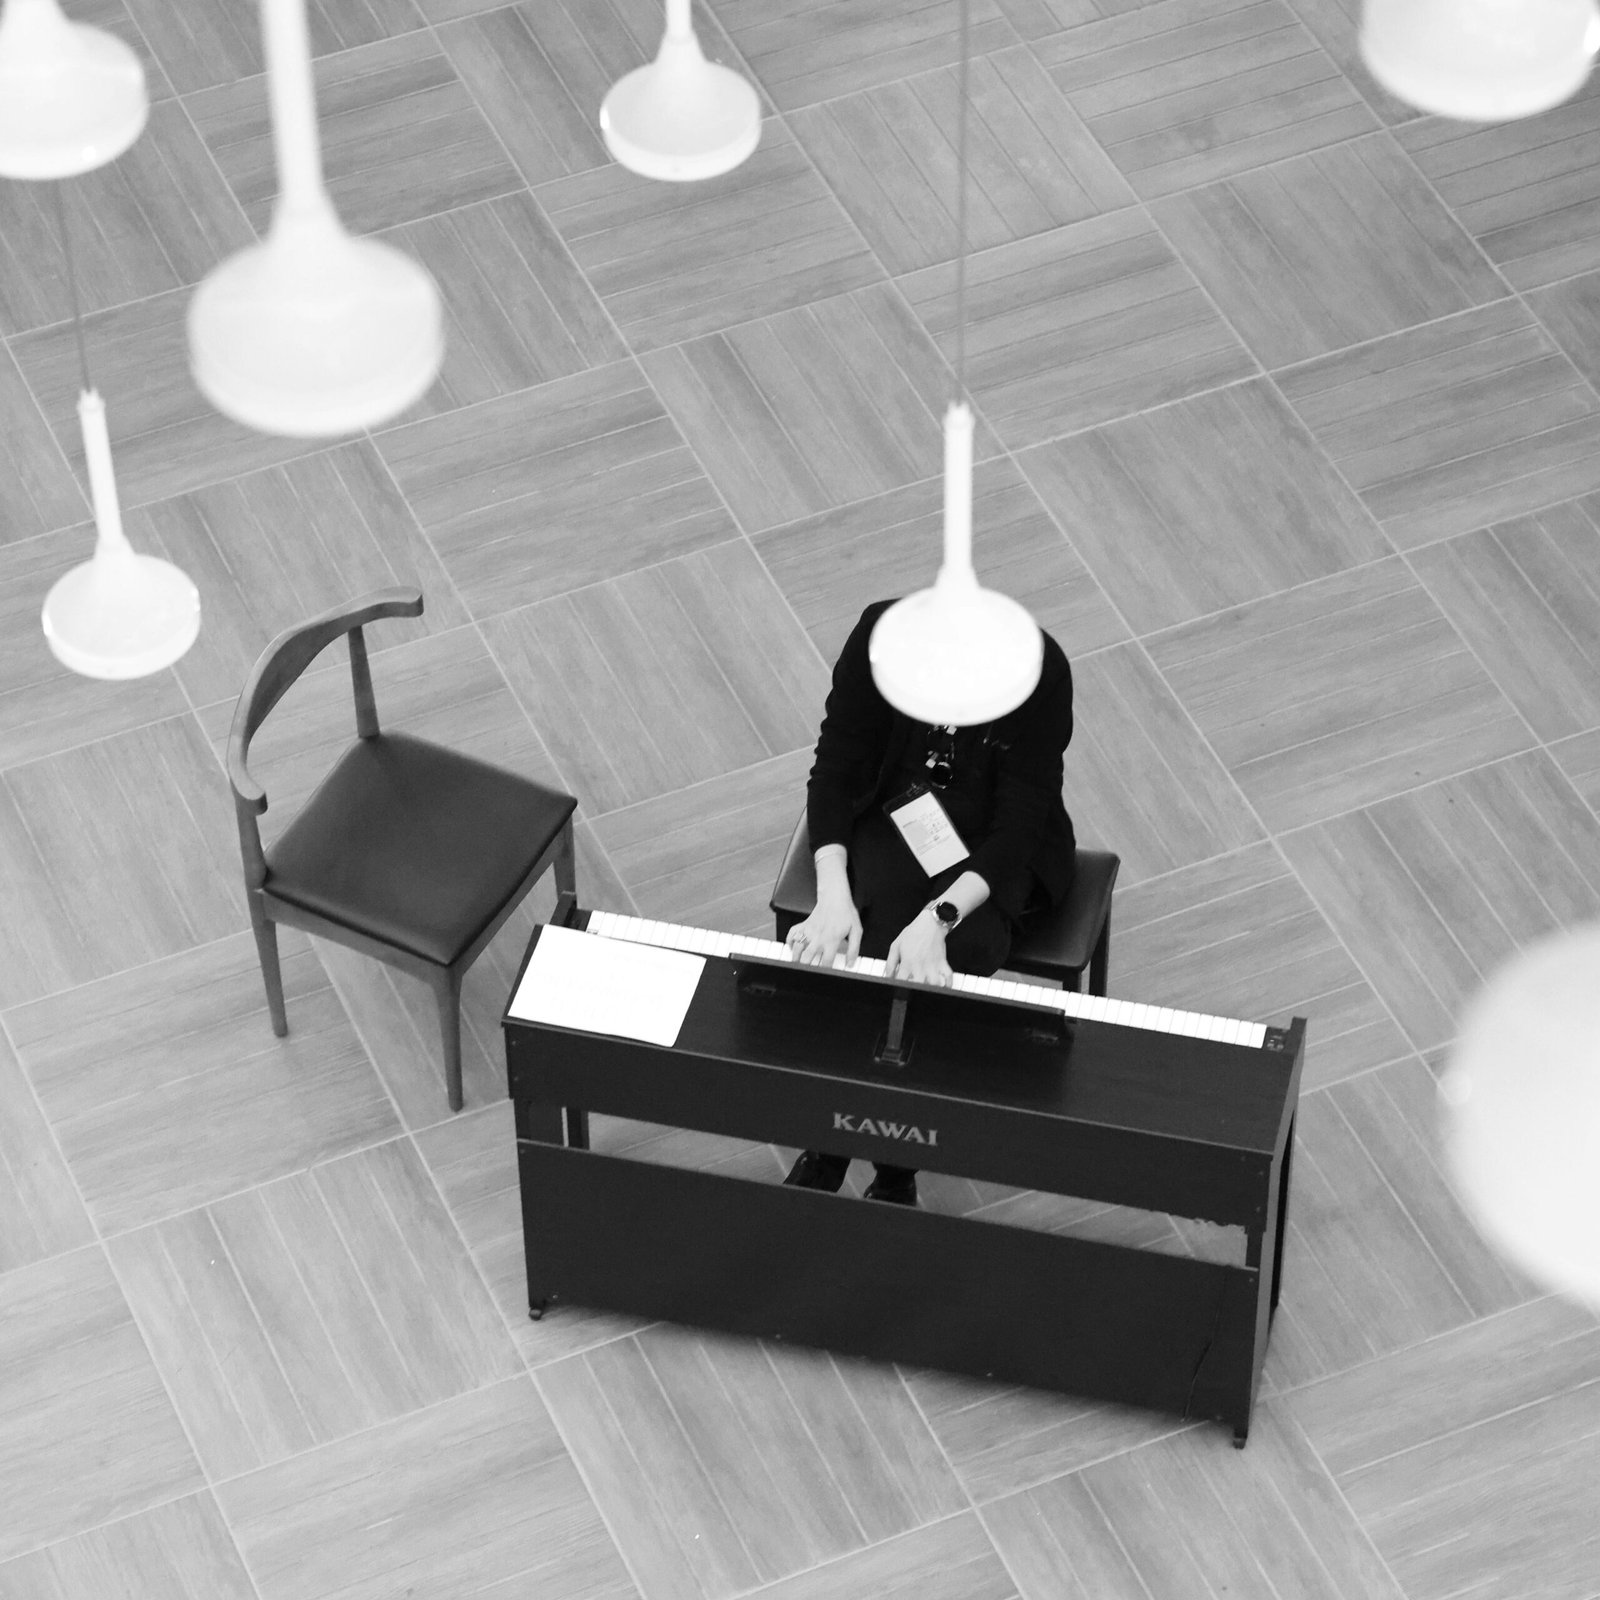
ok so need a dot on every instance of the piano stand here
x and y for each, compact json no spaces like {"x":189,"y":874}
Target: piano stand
{"x":1190,"y":1128}
{"x":894,"y":1283}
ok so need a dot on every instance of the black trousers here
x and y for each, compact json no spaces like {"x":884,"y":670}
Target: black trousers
{"x":890,"y":888}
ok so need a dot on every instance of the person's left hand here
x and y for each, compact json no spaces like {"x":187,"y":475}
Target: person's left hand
{"x":918,"y":952}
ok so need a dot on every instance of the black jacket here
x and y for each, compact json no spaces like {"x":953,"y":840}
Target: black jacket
{"x":863,"y":738}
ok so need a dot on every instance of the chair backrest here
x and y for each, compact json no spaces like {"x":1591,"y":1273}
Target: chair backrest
{"x":276,"y":669}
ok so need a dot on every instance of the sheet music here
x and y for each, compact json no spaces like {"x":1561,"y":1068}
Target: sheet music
{"x":578,"y":980}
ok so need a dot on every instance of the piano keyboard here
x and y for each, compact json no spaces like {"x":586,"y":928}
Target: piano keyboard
{"x":1092,"y":1008}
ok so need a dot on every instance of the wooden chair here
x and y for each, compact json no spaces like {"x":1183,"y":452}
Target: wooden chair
{"x":1058,"y":945}
{"x":408,"y":852}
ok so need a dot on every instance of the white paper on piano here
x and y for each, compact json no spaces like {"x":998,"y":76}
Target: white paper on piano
{"x":578,"y":980}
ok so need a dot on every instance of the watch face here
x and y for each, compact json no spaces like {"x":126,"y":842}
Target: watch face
{"x":947,"y":913}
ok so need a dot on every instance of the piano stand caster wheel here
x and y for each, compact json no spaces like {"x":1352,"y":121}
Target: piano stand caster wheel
{"x":537,"y":1309}
{"x":1239,"y":1437}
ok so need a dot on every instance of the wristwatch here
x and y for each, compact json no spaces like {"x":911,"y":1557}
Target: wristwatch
{"x":945,"y":914}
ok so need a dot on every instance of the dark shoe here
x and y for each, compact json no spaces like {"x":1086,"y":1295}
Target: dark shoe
{"x":897,"y":1185}
{"x":817,"y":1171}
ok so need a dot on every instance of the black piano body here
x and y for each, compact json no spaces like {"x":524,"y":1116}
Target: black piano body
{"x":990,"y":1091}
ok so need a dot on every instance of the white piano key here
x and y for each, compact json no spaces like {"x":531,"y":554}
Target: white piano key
{"x":1122,"y":1013}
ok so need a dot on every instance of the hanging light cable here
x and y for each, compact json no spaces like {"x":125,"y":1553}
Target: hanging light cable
{"x":120,"y":614}
{"x":957,"y":653}
{"x":72,"y":97}
{"x":314,"y":332}
{"x":680,"y":117}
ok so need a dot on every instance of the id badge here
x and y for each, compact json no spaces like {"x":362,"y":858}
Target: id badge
{"x":926,"y":827}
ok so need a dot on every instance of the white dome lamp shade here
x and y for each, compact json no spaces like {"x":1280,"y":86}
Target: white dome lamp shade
{"x":681,"y":118}
{"x":120,"y":614}
{"x":1480,"y":60}
{"x":1520,"y":1104}
{"x":72,"y":97}
{"x":957,"y":653}
{"x":312,"y":333}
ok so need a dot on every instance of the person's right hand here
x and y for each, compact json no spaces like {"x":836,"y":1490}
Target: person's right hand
{"x":835,"y":925}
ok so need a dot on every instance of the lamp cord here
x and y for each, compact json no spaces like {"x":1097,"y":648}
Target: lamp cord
{"x":72,"y":285}
{"x":961,"y":203}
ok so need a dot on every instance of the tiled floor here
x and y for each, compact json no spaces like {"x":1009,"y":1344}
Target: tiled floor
{"x":1287,"y":431}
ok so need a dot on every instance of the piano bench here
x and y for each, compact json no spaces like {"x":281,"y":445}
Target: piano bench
{"x":1057,"y":945}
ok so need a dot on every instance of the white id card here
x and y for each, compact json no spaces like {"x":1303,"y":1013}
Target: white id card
{"x":927,"y":828}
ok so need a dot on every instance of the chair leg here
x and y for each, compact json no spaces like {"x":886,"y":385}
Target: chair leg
{"x":566,"y":869}
{"x":266,"y":932}
{"x":1100,"y":961}
{"x":447,"y":991}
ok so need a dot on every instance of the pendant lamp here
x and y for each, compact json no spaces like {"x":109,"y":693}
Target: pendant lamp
{"x":72,"y":97}
{"x":1480,"y":60}
{"x":682,"y":117}
{"x":957,"y":653}
{"x":313,"y":332}
{"x":1520,"y":1105}
{"x":121,"y":614}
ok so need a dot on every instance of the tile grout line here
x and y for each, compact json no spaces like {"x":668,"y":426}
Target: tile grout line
{"x":1290,"y":1421}
{"x":1489,"y":677}
{"x":1382,"y":534}
{"x":98,"y":1242}
{"x":576,"y":1459}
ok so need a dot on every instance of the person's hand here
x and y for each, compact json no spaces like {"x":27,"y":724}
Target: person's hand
{"x":918,"y":952}
{"x":834,"y":925}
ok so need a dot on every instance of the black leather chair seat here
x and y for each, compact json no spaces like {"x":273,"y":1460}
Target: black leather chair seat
{"x":1062,"y":941}
{"x":442,"y":837}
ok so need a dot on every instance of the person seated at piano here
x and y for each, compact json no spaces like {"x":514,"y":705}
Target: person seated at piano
{"x":931,"y":843}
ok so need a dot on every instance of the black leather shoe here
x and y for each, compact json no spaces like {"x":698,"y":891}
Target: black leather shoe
{"x":817,"y":1171}
{"x":897,"y":1186}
